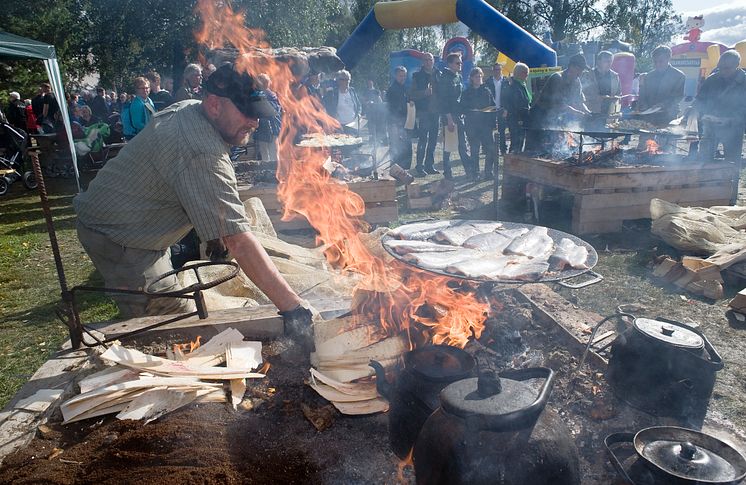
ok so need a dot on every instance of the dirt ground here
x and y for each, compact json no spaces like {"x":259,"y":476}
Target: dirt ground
{"x":270,"y":440}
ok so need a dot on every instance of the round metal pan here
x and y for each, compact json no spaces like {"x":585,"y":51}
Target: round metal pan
{"x":549,"y":276}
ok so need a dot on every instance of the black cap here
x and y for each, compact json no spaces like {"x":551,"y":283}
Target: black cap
{"x":578,"y":61}
{"x":240,"y":88}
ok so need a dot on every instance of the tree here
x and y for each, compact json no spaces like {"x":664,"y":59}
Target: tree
{"x":61,"y":23}
{"x":643,"y":23}
{"x":566,"y":19}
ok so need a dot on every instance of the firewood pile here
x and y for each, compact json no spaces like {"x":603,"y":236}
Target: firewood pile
{"x":597,"y":157}
{"x":145,"y":387}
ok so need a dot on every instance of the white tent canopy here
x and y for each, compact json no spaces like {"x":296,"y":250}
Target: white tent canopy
{"x":14,"y":46}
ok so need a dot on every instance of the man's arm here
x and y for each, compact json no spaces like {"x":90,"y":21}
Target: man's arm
{"x":257,"y":265}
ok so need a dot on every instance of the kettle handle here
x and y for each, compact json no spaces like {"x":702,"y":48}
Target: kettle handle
{"x":616,"y":438}
{"x":715,"y":360}
{"x":541,"y":400}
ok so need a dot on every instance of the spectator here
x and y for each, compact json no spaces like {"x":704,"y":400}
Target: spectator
{"x":191,"y":86}
{"x":160,"y":97}
{"x":16,"y":111}
{"x":31,"y":124}
{"x":343,"y":104}
{"x":98,"y":105}
{"x":121,"y":100}
{"x":141,"y":108}
{"x":396,"y":110}
{"x":516,"y":102}
{"x":209,"y":70}
{"x":49,"y":109}
{"x":422,"y":93}
{"x":269,"y":128}
{"x":495,"y":84}
{"x":37,"y":104}
{"x":479,"y":124}
{"x":449,"y":94}
{"x":86,"y":116}
{"x":313,"y":85}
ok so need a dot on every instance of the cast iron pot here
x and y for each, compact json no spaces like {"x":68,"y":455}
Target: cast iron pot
{"x":677,"y":456}
{"x":664,"y":367}
{"x":496,"y":430}
{"x":414,"y":394}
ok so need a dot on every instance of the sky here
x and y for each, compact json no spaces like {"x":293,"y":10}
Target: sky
{"x":725,"y":20}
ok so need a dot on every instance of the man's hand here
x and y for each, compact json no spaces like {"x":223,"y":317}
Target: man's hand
{"x":298,"y":326}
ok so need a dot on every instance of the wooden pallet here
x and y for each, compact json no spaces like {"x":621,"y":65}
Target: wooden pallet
{"x":379,"y":196}
{"x":605,"y":197}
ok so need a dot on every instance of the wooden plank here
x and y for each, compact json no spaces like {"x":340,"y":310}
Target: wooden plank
{"x":556,"y":311}
{"x":657,"y":179}
{"x":381,"y":190}
{"x":260,"y":322}
{"x":738,"y":303}
{"x":692,"y":195}
{"x":641,"y":211}
{"x":546,"y":172}
{"x":420,"y":203}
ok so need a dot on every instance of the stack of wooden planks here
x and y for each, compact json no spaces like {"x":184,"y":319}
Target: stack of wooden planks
{"x":379,"y":196}
{"x":145,"y":387}
{"x":341,"y":372}
{"x":604,"y":197}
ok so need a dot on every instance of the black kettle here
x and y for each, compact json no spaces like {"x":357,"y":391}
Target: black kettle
{"x":414,"y":394}
{"x":665,"y":368}
{"x":496,"y":430}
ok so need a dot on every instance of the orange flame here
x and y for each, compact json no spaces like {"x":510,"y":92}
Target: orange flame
{"x":406,"y":462}
{"x":395,"y":295}
{"x":192,"y":346}
{"x":652,"y":148}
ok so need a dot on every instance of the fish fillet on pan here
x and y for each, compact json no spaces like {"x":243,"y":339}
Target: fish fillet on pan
{"x":419,"y":231}
{"x":404,"y":246}
{"x":458,"y":233}
{"x":494,"y":242}
{"x":535,"y":244}
{"x":491,"y":267}
{"x":440,"y":261}
{"x":569,"y":254}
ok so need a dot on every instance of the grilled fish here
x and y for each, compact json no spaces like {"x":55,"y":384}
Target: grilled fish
{"x":524,"y":271}
{"x":569,"y":254}
{"x":440,"y":261}
{"x":494,"y":242}
{"x":419,"y":231}
{"x":460,"y":232}
{"x":405,"y":246}
{"x":535,"y":244}
{"x":490,"y":267}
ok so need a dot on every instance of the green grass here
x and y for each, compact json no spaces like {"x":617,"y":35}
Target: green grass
{"x":29,"y":288}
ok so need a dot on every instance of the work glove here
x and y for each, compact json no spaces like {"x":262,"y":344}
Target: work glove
{"x":216,"y":251}
{"x":299,"y":326}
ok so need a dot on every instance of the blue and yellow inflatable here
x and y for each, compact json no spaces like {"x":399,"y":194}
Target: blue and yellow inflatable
{"x":507,"y":37}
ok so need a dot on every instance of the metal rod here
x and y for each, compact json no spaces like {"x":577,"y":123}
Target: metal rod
{"x":76,"y":335}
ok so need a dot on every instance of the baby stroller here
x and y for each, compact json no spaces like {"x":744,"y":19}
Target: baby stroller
{"x":13,"y":143}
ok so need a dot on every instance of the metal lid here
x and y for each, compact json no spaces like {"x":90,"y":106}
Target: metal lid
{"x":690,"y":455}
{"x":676,"y":334}
{"x":439,"y":362}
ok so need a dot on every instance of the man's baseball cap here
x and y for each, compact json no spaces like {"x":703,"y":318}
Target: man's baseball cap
{"x":242,"y":90}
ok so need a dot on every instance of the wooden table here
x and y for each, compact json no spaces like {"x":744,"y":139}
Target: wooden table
{"x":605,"y":197}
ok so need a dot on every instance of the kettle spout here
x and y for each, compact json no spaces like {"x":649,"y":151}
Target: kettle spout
{"x":382,"y":385}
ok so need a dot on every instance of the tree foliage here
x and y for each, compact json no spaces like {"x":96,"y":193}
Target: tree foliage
{"x":643,"y":23}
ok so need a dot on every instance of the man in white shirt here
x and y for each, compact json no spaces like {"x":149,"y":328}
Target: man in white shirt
{"x":495,"y":85}
{"x":343,"y":103}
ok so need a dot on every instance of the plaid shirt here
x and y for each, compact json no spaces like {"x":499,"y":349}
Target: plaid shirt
{"x":174,"y":175}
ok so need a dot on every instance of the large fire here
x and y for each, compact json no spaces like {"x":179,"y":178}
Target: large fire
{"x":395,"y":295}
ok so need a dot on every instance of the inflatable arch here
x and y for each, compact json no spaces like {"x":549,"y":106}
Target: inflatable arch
{"x":478,"y":15}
